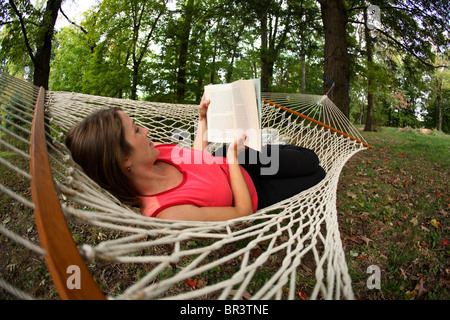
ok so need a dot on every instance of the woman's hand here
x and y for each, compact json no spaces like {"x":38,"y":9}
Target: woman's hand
{"x":200,"y":141}
{"x":236,"y":147}
{"x":203,"y":108}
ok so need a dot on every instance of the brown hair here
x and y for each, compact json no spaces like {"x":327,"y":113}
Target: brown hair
{"x":98,"y":145}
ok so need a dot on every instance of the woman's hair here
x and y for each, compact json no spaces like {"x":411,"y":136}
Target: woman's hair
{"x":98,"y":145}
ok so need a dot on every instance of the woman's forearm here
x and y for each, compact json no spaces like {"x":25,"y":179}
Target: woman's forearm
{"x":200,"y":141}
{"x":241,"y":195}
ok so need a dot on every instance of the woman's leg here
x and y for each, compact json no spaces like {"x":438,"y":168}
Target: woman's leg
{"x":274,"y":190}
{"x":297,"y":169}
{"x":280,"y":161}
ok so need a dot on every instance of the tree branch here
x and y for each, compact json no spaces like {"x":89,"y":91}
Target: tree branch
{"x":22,"y":25}
{"x":408,"y":50}
{"x":70,"y":21}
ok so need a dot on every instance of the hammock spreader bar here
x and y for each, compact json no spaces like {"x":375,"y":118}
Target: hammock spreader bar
{"x":63,"y":259}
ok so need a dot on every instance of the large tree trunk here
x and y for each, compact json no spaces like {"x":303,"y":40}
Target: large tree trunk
{"x":135,"y":80}
{"x":336,"y":67}
{"x":265,"y":78}
{"x":182,"y":60}
{"x":43,"y":53}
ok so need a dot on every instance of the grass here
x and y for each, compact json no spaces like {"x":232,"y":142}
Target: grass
{"x":393,"y":204}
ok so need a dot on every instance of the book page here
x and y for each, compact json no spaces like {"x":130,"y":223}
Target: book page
{"x":246,"y":112}
{"x":235,"y":108}
{"x":220,"y":113}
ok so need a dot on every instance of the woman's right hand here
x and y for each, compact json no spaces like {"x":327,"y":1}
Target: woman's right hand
{"x":236,"y":147}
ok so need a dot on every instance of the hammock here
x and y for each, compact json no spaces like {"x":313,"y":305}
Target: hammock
{"x":273,"y":254}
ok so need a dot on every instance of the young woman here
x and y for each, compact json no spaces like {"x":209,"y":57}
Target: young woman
{"x":175,"y":183}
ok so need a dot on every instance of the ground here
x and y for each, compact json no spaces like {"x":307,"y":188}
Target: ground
{"x":393,"y":205}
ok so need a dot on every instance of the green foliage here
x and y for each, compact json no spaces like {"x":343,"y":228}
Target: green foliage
{"x":142,"y":50}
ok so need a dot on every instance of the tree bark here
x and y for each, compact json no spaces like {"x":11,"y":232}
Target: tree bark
{"x":336,"y":66}
{"x":184,"y":46}
{"x":265,"y":81}
{"x":44,"y":48}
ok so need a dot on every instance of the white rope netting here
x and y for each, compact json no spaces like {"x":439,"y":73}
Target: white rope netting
{"x":271,"y":254}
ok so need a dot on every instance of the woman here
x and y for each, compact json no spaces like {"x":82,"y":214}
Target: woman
{"x":169,"y":182}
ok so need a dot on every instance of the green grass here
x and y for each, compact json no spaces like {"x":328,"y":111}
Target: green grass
{"x":393,"y":204}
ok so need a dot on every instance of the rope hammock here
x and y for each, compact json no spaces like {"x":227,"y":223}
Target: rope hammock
{"x":288,"y":244}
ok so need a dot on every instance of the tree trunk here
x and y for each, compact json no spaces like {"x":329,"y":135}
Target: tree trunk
{"x":234,"y":52}
{"x":213,"y":64}
{"x":184,"y":46}
{"x":439,"y":102}
{"x":303,"y":73}
{"x":336,"y":67}
{"x":135,"y":80}
{"x":43,"y":53}
{"x":369,"y":56}
{"x":265,"y":81}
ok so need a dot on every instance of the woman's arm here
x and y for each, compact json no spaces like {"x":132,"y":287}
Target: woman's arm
{"x":242,"y":202}
{"x":200,"y":141}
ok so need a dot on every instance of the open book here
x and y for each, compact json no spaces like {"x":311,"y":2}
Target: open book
{"x":235,"y":108}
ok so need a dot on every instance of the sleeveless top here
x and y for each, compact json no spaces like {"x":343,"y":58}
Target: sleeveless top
{"x":206,"y":181}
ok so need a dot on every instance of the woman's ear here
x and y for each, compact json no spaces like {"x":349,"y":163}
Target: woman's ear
{"x":127,"y":164}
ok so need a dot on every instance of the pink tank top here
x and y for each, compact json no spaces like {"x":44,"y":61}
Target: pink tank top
{"x":206,"y":181}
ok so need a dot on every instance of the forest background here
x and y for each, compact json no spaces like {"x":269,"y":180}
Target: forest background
{"x":392,"y":73}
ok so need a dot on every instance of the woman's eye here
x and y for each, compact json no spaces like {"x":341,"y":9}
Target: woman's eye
{"x":137,"y":129}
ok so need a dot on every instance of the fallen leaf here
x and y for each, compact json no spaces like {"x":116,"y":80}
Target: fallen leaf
{"x":301,"y":295}
{"x":351,"y":195}
{"x":365,"y":239}
{"x":420,"y":288}
{"x":403,"y":274}
{"x":191,"y":283}
{"x":434,"y":223}
{"x":355,"y":239}
{"x":245,"y":294}
{"x":257,"y":252}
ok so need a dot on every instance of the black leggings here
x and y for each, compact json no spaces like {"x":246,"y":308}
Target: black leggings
{"x":279,"y":171}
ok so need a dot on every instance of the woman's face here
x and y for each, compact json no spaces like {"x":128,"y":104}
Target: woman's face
{"x":144,"y":153}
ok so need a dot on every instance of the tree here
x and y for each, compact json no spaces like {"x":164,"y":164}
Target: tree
{"x":35,"y":27}
{"x":71,"y":60}
{"x":186,"y":21}
{"x":437,"y":113}
{"x":114,"y":46}
{"x":412,"y":29}
{"x":336,"y":65}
